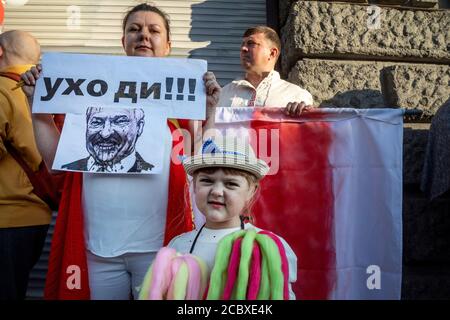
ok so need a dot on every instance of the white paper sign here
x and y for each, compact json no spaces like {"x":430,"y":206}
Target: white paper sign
{"x":112,"y":140}
{"x":71,"y":82}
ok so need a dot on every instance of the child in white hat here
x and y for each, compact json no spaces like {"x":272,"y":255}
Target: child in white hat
{"x":226,"y":175}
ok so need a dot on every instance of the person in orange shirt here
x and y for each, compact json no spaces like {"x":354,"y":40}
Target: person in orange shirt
{"x":24,"y":217}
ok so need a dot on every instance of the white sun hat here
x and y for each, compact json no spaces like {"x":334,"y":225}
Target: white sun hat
{"x":226,"y":151}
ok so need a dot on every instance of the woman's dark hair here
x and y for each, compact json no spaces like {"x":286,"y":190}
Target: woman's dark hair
{"x":151,"y":8}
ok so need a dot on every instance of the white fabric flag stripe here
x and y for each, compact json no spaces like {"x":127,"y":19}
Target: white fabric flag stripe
{"x":366,"y":156}
{"x":366,"y":160}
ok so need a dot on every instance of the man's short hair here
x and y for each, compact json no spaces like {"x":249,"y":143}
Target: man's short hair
{"x":268,"y":32}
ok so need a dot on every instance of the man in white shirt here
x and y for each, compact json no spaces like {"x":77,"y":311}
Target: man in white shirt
{"x":262,"y":85}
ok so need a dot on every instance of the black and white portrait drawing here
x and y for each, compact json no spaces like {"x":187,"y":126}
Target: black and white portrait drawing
{"x":111,"y":136}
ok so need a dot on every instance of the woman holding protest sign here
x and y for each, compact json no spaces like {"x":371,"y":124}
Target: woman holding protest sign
{"x":109,"y":227}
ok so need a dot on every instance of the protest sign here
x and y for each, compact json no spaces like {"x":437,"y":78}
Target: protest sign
{"x":113,"y":140}
{"x":70,"y":83}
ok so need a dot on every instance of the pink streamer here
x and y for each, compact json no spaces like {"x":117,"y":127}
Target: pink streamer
{"x":195,"y":278}
{"x":174,"y":267}
{"x":233,"y":266}
{"x":255,"y":273}
{"x":161,"y":274}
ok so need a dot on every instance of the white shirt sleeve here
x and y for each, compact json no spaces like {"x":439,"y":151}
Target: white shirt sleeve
{"x":307,"y":97}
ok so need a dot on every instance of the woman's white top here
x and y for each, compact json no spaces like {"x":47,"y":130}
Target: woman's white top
{"x":126,"y":213}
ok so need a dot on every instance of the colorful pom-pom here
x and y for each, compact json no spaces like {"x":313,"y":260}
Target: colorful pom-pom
{"x":249,"y":265}
{"x":174,"y":276}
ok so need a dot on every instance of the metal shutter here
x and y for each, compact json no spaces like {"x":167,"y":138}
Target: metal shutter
{"x":209,"y":29}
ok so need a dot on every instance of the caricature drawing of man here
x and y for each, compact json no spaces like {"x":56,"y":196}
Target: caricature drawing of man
{"x":111,"y":136}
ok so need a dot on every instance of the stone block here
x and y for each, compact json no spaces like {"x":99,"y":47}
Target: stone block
{"x":343,"y":84}
{"x":285,"y":5}
{"x":424,"y":87}
{"x":340,"y":30}
{"x":283,"y":10}
{"x":373,"y":84}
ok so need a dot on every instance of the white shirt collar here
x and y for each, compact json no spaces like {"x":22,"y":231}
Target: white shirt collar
{"x":214,"y":235}
{"x":123,"y":166}
{"x":272,"y":76}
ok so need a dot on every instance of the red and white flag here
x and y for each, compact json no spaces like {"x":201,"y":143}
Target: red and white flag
{"x":334,"y":193}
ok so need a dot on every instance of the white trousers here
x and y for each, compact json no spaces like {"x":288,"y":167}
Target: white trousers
{"x":117,"y":278}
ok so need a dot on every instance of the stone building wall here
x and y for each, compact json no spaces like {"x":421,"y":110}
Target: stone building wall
{"x":346,"y":57}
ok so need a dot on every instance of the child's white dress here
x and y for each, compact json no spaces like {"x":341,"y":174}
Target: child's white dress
{"x":206,"y":246}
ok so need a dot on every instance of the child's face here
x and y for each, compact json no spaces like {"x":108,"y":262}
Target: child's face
{"x":221,"y":197}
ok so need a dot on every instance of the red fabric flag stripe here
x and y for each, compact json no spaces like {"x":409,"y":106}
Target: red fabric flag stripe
{"x":297,"y":202}
{"x":68,"y":253}
{"x":180,"y":217}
